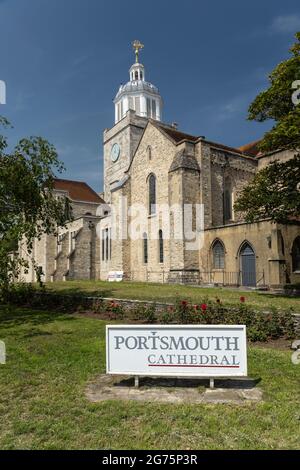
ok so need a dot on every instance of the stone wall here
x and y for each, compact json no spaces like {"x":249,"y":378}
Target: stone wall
{"x":264,"y":237}
{"x":162,"y":153}
{"x":126,"y":133}
{"x":228,"y":166}
{"x":282,"y":155}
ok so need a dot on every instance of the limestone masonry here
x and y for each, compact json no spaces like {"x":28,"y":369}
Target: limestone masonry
{"x":153,"y":165}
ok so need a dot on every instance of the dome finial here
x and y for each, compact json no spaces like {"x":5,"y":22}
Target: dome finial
{"x":137,"y":45}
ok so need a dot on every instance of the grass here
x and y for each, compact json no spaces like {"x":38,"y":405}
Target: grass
{"x":51,"y":357}
{"x":168,"y":293}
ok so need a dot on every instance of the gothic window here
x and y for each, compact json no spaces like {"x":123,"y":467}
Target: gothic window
{"x":103,"y":245}
{"x":296,"y":255}
{"x":161,"y":246}
{"x":145,"y":248}
{"x":152,"y":194}
{"x":227,"y":200}
{"x":106,"y":244}
{"x":59,"y":243}
{"x":218,"y":255}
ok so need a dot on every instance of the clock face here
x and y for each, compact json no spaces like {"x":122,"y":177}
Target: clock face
{"x":115,"y":152}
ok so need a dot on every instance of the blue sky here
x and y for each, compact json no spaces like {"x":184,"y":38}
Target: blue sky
{"x":63,"y":61}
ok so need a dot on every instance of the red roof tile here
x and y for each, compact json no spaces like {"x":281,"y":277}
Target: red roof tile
{"x":77,"y":190}
{"x":177,"y":135}
{"x":251,"y":148}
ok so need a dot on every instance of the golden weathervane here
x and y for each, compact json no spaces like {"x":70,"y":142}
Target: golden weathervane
{"x":137,"y":45}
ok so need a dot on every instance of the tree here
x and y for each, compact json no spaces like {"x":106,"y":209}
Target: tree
{"x":28,"y":204}
{"x":275,"y":193}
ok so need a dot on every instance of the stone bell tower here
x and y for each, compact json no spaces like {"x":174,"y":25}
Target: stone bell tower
{"x":135,"y":103}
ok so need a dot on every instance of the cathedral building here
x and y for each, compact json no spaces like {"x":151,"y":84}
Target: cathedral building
{"x":166,"y":213}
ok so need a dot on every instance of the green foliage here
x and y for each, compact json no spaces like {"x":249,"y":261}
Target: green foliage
{"x":273,"y":193}
{"x":261,"y":325}
{"x":53,"y":356}
{"x":276,"y":104}
{"x":28,"y":205}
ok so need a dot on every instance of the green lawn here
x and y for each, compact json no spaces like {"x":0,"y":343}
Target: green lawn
{"x":50,"y":358}
{"x":168,"y":293}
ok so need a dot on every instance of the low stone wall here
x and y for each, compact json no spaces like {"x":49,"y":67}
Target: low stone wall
{"x":160,"y":307}
{"x":89,"y":301}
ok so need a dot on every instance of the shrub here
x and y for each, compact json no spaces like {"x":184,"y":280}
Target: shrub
{"x":261,"y":326}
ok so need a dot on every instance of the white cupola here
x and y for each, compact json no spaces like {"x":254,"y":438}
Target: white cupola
{"x":137,"y":94}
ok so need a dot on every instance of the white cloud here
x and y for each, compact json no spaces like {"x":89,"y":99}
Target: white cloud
{"x":236,"y":106}
{"x":286,"y":24}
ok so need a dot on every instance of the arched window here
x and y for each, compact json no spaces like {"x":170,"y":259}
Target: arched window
{"x":161,"y":246}
{"x":218,"y":255}
{"x":227,"y":200}
{"x":145,"y":248}
{"x":296,"y":254}
{"x":152,"y":194}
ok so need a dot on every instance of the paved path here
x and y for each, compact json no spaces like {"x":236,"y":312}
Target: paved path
{"x":178,"y":391}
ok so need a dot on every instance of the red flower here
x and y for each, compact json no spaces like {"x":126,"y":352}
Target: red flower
{"x":184,"y":303}
{"x":242,"y":299}
{"x":203,"y":307}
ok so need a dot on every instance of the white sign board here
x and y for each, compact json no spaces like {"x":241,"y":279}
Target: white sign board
{"x":177,"y":350}
{"x":115,"y":276}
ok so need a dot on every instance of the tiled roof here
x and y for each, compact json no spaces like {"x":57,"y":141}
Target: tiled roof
{"x":77,"y":190}
{"x":251,"y":148}
{"x":176,"y":135}
{"x":226,"y":147}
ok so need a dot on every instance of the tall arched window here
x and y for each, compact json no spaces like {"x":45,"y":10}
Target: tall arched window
{"x":161,"y":246}
{"x":227,"y":200}
{"x":218,"y":255}
{"x":145,"y":248}
{"x":152,"y":194}
{"x":296,"y":254}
